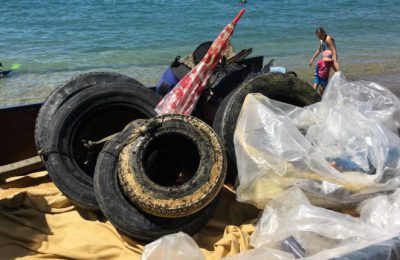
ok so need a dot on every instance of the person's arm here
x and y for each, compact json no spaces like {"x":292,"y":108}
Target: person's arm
{"x":331,"y":44}
{"x":315,"y":55}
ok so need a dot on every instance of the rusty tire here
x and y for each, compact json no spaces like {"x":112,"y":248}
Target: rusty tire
{"x":173,"y":166}
{"x":128,"y":218}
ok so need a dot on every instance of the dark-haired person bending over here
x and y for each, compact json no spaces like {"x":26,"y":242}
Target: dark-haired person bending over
{"x":326,"y":42}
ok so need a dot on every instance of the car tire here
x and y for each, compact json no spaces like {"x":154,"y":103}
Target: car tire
{"x":127,"y":217}
{"x":173,"y":166}
{"x":277,"y":86}
{"x":90,"y":115}
{"x":60,"y":95}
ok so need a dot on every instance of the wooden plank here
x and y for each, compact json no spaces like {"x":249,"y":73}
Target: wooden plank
{"x":21,"y":167}
{"x":17,"y":133}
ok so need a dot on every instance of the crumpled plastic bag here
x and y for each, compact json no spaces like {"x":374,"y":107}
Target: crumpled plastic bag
{"x":178,"y":246}
{"x":319,"y":232}
{"x":369,"y":98}
{"x":261,"y":253}
{"x":331,"y":150}
{"x":315,"y":228}
{"x":323,"y":233}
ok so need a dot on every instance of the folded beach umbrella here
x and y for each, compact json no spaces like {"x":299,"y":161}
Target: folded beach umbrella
{"x":183,"y":98}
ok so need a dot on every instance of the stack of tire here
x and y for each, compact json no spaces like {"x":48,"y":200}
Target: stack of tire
{"x":106,"y":150}
{"x":89,"y":107}
{"x":160,"y":176}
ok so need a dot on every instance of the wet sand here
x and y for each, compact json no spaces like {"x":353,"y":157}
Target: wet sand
{"x":389,"y":80}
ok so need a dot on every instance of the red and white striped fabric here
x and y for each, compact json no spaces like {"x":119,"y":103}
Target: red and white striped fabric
{"x":183,"y":98}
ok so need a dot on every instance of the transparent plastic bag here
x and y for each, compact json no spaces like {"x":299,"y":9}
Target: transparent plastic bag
{"x":382,"y":211}
{"x":381,"y":250}
{"x":278,"y":146}
{"x":323,"y":233}
{"x":319,"y":232}
{"x":178,"y":246}
{"x":261,"y":253}
{"x":368,"y":98}
{"x":313,"y":227}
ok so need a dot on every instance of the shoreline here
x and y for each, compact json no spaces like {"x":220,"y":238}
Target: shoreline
{"x":388,"y":79}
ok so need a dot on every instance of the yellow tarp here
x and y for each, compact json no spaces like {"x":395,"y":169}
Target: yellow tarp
{"x":37,"y":221}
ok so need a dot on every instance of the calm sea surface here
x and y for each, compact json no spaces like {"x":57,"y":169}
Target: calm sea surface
{"x":57,"y":40}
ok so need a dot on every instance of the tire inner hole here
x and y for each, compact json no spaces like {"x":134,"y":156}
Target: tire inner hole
{"x":171,"y":159}
{"x":95,"y":125}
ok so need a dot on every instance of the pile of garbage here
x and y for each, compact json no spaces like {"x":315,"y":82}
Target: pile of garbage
{"x":106,"y":149}
{"x":340,"y":151}
{"x":291,"y":228}
{"x":263,"y":131}
{"x":301,"y":164}
{"x":153,"y":174}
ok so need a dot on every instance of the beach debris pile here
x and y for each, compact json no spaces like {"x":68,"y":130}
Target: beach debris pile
{"x":160,"y":174}
{"x":155,"y":166}
{"x":290,"y":227}
{"x":303,"y":166}
{"x":340,"y":151}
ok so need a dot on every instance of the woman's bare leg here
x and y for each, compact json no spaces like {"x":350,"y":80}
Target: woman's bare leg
{"x":335,"y":66}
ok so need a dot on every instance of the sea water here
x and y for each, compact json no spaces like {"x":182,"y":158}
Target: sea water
{"x":55,"y":41}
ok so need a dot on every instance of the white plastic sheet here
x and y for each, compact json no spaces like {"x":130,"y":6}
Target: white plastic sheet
{"x":313,"y":227}
{"x":323,"y":233}
{"x":261,"y":254}
{"x":369,"y":98}
{"x":285,"y":156}
{"x":337,"y":150}
{"x":319,"y":232}
{"x":178,"y":246}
